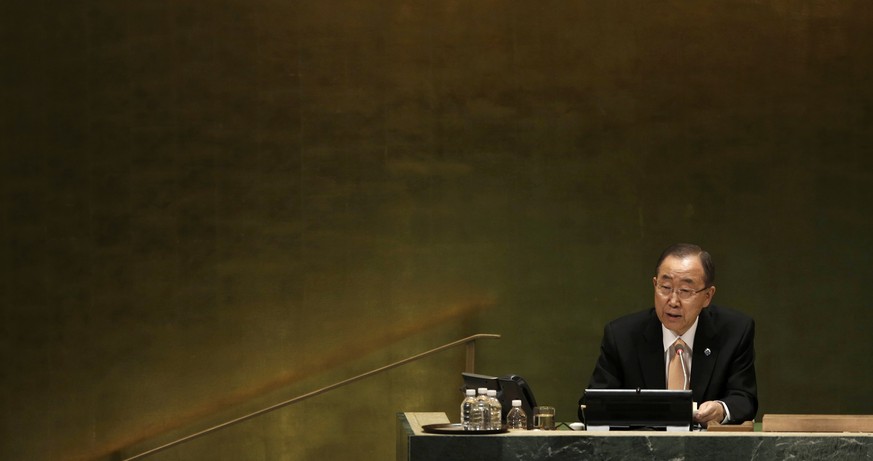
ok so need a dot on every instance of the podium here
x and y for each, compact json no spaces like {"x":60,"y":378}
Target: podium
{"x":413,"y":444}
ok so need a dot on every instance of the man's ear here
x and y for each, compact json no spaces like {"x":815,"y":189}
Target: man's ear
{"x":710,"y":293}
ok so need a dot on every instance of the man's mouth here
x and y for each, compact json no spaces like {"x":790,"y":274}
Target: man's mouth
{"x":674,"y":316}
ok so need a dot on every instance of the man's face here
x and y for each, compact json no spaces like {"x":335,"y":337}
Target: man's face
{"x":684,"y":276}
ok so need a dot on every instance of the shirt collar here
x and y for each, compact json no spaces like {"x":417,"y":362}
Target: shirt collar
{"x":669,"y":337}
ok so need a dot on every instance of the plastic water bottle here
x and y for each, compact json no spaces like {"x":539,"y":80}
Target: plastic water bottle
{"x":516,"y":419}
{"x":480,"y":414}
{"x":495,"y":422}
{"x":467,"y":407}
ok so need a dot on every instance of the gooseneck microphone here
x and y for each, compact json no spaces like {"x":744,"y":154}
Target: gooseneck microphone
{"x":681,"y":352}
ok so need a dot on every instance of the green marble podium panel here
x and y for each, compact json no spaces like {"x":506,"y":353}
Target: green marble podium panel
{"x":415,"y":445}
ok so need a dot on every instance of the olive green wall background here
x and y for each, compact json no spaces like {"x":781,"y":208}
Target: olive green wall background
{"x":209,"y":207}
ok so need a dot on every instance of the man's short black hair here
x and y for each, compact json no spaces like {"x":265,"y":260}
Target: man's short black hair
{"x":684,"y":250}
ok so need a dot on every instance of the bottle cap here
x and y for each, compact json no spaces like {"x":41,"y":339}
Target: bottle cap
{"x":492,"y":393}
{"x":470,"y":392}
{"x":483,"y":390}
{"x":516,"y":403}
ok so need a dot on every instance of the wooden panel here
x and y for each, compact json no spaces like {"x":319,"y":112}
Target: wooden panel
{"x":818,"y":423}
{"x":748,"y":426}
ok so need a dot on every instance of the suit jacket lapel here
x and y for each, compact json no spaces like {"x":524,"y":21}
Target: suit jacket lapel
{"x":651,"y":355}
{"x":703,"y":364}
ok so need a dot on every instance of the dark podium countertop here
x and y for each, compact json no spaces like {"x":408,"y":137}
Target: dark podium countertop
{"x":415,"y":445}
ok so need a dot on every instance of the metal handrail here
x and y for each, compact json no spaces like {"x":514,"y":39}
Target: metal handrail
{"x":470,"y":367}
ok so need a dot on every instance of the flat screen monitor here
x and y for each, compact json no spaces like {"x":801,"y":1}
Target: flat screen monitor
{"x":637,"y":408}
{"x":509,"y":388}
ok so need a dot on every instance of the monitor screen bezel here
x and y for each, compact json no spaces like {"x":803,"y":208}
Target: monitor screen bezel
{"x":628,"y":408}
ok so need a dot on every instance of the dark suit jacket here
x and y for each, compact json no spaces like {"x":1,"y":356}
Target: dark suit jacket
{"x":632,"y":356}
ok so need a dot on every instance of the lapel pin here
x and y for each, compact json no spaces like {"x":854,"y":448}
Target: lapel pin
{"x":706,"y":352}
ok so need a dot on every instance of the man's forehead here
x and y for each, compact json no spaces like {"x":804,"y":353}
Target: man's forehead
{"x":687,"y":269}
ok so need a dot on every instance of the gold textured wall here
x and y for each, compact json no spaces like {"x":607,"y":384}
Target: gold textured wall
{"x":209,"y":207}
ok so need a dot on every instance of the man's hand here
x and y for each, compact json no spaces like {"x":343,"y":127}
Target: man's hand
{"x":709,"y":411}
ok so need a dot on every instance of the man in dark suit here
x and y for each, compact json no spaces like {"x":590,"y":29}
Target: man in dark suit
{"x":637,"y":349}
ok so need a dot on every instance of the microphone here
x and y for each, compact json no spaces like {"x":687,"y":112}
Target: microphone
{"x":681,"y":352}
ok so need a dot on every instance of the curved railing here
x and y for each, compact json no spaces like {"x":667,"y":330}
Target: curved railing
{"x":470,"y":367}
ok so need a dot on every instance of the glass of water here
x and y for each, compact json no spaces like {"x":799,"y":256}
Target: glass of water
{"x":544,"y":418}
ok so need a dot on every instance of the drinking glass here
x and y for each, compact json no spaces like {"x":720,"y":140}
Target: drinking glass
{"x":544,"y":418}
